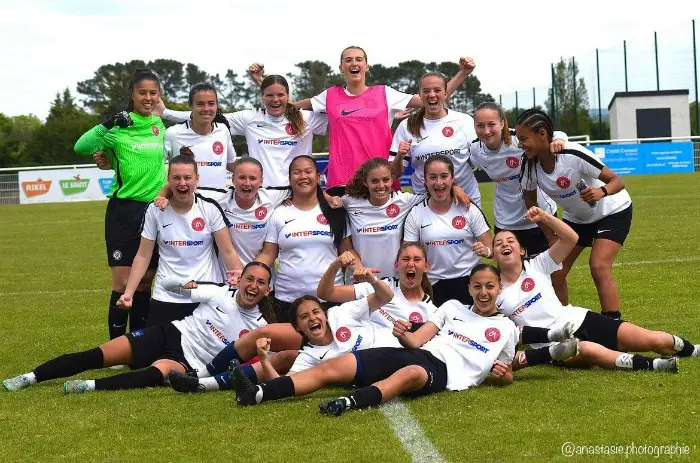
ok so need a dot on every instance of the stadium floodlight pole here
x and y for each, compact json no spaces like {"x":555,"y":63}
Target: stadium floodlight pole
{"x":500,"y":100}
{"x":573,"y":70}
{"x":553,"y":103}
{"x":534,"y":98}
{"x":695,"y":70}
{"x":624,"y":53}
{"x":656,"y":56}
{"x":600,"y":109}
{"x":516,"y":106}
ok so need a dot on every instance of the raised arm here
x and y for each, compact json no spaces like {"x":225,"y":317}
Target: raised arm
{"x":567,"y":236}
{"x":466,"y":67}
{"x":382,"y":293}
{"x":416,"y":339}
{"x":327,"y":290}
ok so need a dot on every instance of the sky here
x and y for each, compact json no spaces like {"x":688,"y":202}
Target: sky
{"x":48,"y":46}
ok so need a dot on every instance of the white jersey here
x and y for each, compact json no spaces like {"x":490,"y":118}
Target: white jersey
{"x":450,"y":136}
{"x":215,"y":323}
{"x":469,"y":344}
{"x":306,"y":249}
{"x":248,"y":227}
{"x":399,"y":308}
{"x":503,"y":167}
{"x":211,"y":152}
{"x":531,"y":301}
{"x":448,"y":238}
{"x":396,"y":102}
{"x":352,"y":331}
{"x":575,"y":163}
{"x":185,"y":244}
{"x":377,"y":230}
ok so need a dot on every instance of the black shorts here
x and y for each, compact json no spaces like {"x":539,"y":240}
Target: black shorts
{"x":156,"y":343}
{"x":614,"y":227}
{"x":281,"y":309}
{"x":165,"y":312}
{"x":600,"y":329}
{"x":381,"y":362}
{"x":123,"y":222}
{"x":532,"y":239}
{"x":453,"y":288}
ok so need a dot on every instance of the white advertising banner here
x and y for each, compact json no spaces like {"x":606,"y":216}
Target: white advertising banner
{"x":60,"y":185}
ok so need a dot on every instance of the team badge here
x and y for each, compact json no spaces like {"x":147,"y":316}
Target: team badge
{"x":322,"y":219}
{"x":290,"y":131}
{"x":243,"y":332}
{"x":261,"y":212}
{"x":528,"y":285}
{"x":415,"y":317}
{"x":448,"y":131}
{"x":512,"y":162}
{"x":198,"y":224}
{"x":155,"y":130}
{"x":218,"y":147}
{"x":459,"y":222}
{"x":563,"y":182}
{"x":342,"y":334}
{"x":392,"y":210}
{"x":492,"y":334}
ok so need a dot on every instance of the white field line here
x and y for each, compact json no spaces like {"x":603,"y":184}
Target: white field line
{"x":410,"y":433}
{"x":678,"y":260}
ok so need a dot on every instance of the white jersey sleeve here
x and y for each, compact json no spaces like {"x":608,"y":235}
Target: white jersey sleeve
{"x":507,"y":353}
{"x":318,"y":103}
{"x":396,"y":101}
{"x":230,"y":151}
{"x":171,"y":141}
{"x":477,"y":221}
{"x":411,"y":230}
{"x":316,"y":122}
{"x":363,"y":290}
{"x":215,"y":215}
{"x":176,"y":116}
{"x":273,"y":227}
{"x":544,"y":263}
{"x":439,"y":317}
{"x":356,"y":310}
{"x":150,"y":224}
{"x":238,"y":120}
{"x":208,"y":292}
{"x":400,"y":135}
{"x":304,"y":361}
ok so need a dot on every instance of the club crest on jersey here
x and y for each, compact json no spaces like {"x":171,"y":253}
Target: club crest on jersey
{"x":218,"y":147}
{"x":528,"y":285}
{"x":261,"y":212}
{"x":459,"y":222}
{"x":198,"y":224}
{"x":322,"y":219}
{"x":155,"y":130}
{"x":492,"y":334}
{"x":415,"y":317}
{"x":343,"y":334}
{"x":392,"y":210}
{"x":563,"y":182}
{"x":243,"y":332}
{"x":448,"y":131}
{"x":289,"y":129}
{"x":512,"y":162}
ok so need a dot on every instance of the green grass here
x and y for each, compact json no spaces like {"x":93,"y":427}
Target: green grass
{"x":54,"y":285}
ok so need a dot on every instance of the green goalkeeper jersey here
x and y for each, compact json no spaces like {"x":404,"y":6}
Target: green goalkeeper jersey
{"x":136,"y":153}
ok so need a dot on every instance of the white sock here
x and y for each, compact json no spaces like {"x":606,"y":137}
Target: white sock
{"x":696,"y":352}
{"x":678,"y":343}
{"x":209,"y":384}
{"x":624,"y":361}
{"x":90,"y":384}
{"x":31,"y":377}
{"x":203,"y":373}
{"x":258,"y":395}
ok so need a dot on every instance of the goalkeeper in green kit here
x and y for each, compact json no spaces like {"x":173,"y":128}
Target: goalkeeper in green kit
{"x":135,"y":141}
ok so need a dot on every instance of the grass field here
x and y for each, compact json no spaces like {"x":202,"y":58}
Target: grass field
{"x":54,"y":285}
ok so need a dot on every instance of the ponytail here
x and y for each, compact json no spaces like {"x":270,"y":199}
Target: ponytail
{"x":416,"y":122}
{"x":426,"y":285}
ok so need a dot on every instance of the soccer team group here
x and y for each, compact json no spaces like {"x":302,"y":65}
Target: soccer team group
{"x":276,"y":287}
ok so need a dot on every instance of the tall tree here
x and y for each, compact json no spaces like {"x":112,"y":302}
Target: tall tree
{"x":172,"y":77}
{"x":106,"y":93}
{"x":16,"y":133}
{"x":570,"y":99}
{"x":194,"y":75}
{"x":312,"y":78}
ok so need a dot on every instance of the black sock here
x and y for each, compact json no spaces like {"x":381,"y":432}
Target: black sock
{"x":69,"y":365}
{"x":534,"y":335}
{"x":640,"y":362}
{"x":614,"y":314}
{"x":278,"y":388}
{"x":249,"y":371}
{"x":366,"y":397}
{"x":222,"y":360}
{"x":150,"y":377}
{"x":537,"y":356}
{"x":116,"y":317}
{"x":138,"y":315}
{"x":688,"y":349}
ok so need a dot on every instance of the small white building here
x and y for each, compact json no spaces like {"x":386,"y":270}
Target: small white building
{"x":650,"y":114}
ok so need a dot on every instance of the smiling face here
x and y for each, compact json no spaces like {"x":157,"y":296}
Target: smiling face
{"x":411,"y":265}
{"x":489,"y":127}
{"x":353,"y":65}
{"x":378,"y":183}
{"x":182,"y":180}
{"x":484,"y":287}
{"x":275,"y":98}
{"x":311,"y":321}
{"x":303,"y":177}
{"x":507,"y":250}
{"x":204,"y":106}
{"x":145,"y":95}
{"x":433,"y":91}
{"x":438,"y":180}
{"x":253,"y":285}
{"x":531,"y":142}
{"x":247,"y":179}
